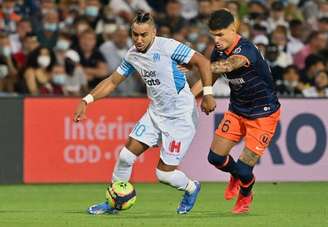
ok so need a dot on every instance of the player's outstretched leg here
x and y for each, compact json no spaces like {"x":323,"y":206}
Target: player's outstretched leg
{"x":247,"y":181}
{"x":180,"y":181}
{"x":122,"y":172}
{"x":226,"y":164}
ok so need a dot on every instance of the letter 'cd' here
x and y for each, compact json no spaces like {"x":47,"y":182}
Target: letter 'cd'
{"x":121,"y":195}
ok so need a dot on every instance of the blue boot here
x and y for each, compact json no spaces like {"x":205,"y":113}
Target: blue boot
{"x":188,"y":200}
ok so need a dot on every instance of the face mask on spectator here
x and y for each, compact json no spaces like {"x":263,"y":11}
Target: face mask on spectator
{"x":3,"y":71}
{"x":59,"y":79}
{"x":50,"y":27}
{"x":69,"y":20}
{"x":192,"y":36}
{"x":290,"y":83}
{"x":201,"y":47}
{"x":62,"y":44}
{"x":6,"y":51}
{"x":91,"y":11}
{"x":44,"y":61}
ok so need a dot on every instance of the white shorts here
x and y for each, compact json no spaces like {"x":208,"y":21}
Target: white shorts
{"x":175,"y":134}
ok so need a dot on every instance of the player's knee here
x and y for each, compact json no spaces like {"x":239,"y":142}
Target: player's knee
{"x":127,"y":157}
{"x":164,"y":176}
{"x":216,"y":159}
{"x":245,"y":172}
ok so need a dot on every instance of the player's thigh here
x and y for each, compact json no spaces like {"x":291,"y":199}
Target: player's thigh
{"x":135,"y":146}
{"x":260,"y":131}
{"x":221,"y":145}
{"x":228,"y":133}
{"x":177,"y":136}
{"x":145,"y":134}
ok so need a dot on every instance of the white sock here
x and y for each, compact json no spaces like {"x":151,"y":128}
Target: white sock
{"x":176,"y":179}
{"x":191,"y":186}
{"x":123,"y":166}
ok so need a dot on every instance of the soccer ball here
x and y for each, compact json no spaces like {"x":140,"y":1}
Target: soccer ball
{"x":121,"y":195}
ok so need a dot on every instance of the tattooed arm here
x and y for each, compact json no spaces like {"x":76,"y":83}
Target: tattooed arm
{"x":232,"y":63}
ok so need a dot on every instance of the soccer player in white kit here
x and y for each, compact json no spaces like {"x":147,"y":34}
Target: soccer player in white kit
{"x":171,"y":118}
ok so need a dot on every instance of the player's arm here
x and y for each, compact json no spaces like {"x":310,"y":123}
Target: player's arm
{"x":103,"y":89}
{"x":204,"y":67}
{"x":232,"y":63}
{"x":197,"y":88}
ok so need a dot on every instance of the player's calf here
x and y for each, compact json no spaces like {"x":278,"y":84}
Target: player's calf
{"x":226,"y":164}
{"x":180,"y":181}
{"x":247,"y":180}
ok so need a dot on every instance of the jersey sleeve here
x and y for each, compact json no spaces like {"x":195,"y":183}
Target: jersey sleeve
{"x":179,"y":52}
{"x":247,"y":50}
{"x":125,"y":69}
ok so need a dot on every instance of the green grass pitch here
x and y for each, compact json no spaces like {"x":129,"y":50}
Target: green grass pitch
{"x":282,"y":204}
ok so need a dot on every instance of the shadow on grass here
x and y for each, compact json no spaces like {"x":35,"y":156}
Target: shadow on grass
{"x":141,"y":215}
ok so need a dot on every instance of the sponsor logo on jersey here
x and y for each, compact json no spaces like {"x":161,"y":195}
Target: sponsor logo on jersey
{"x":150,"y":78}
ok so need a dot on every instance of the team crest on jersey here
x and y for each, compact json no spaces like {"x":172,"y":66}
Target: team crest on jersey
{"x":237,"y":50}
{"x":156,"y":57}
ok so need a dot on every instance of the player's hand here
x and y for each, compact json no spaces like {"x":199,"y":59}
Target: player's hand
{"x":80,"y":112}
{"x":208,"y":104}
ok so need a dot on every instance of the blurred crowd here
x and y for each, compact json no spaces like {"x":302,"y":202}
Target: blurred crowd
{"x":66,"y":47}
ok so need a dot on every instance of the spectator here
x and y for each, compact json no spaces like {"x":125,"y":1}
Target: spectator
{"x":92,"y":61}
{"x":115,"y":50}
{"x":4,"y":72}
{"x":320,"y":88}
{"x":313,"y":64}
{"x":316,"y":41}
{"x":323,"y":24}
{"x":189,"y":9}
{"x":38,"y":71}
{"x":8,"y":17}
{"x":204,"y":12}
{"x":257,"y":13}
{"x":272,"y":55}
{"x":290,"y":85}
{"x":7,"y":57}
{"x":75,"y":78}
{"x":48,"y":34}
{"x":174,"y":20}
{"x":261,"y":42}
{"x":217,"y":4}
{"x":295,"y":43}
{"x":279,"y":38}
{"x":126,"y":8}
{"x":277,"y":16}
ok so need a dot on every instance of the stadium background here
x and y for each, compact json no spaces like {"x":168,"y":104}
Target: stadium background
{"x":85,"y":41}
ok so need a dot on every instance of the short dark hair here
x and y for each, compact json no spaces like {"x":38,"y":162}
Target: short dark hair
{"x":295,"y":23}
{"x":143,"y":17}
{"x":220,"y":19}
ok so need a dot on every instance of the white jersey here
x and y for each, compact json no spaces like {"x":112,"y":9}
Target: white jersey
{"x":167,"y":87}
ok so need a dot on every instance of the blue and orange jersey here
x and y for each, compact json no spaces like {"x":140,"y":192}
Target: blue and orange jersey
{"x":253,"y":93}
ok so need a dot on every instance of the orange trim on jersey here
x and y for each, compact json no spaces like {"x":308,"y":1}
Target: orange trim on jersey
{"x":248,"y":184}
{"x":233,"y":45}
{"x":248,"y":63}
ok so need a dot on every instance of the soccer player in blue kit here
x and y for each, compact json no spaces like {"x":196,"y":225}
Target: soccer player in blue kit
{"x":254,"y":109}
